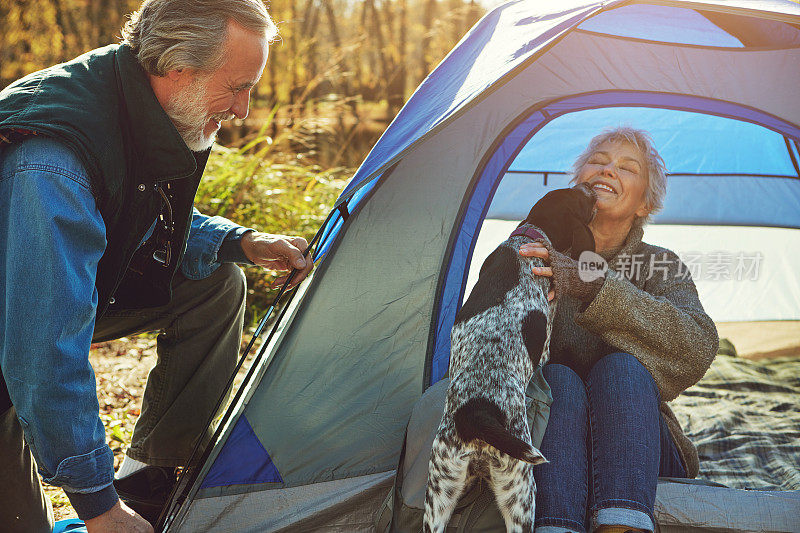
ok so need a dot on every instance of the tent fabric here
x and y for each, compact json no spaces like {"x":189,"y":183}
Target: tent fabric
{"x":352,"y":318}
{"x":69,"y":525}
{"x":349,"y":505}
{"x":685,"y":26}
{"x":481,"y":59}
{"x":740,"y":201}
{"x":228,"y":469}
{"x":331,"y":399}
{"x":691,"y":143}
{"x":341,"y":505}
{"x":661,"y":23}
{"x":333,"y":226}
{"x":699,"y":508}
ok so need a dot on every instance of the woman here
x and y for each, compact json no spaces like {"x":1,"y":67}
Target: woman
{"x":622,"y":345}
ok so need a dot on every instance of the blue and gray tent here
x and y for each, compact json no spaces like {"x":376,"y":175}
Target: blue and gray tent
{"x":313,"y":441}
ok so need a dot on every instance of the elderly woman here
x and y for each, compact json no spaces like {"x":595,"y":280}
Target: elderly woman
{"x":622,"y":346}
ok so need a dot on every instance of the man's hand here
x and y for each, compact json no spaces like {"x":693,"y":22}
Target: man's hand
{"x":119,"y":519}
{"x":278,"y":252}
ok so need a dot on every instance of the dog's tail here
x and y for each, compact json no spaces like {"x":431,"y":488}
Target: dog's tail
{"x":482,"y":419}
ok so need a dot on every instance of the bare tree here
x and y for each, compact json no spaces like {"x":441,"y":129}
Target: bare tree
{"x":427,"y":21}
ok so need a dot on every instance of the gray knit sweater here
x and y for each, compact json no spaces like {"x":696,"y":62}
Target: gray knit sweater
{"x":648,"y":307}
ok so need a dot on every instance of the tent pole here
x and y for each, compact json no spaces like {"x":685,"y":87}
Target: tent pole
{"x":200,"y":454}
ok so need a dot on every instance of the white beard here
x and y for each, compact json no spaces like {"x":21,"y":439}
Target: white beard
{"x":187,"y":111}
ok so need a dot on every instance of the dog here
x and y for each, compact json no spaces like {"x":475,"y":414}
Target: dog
{"x":564,"y":215}
{"x":500,"y":337}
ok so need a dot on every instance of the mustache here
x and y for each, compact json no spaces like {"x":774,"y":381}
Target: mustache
{"x":219,"y":117}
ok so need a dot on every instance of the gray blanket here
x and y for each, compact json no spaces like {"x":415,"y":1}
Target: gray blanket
{"x":744,"y":418}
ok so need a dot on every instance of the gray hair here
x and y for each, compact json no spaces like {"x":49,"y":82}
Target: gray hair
{"x":655,"y":171}
{"x":176,"y":34}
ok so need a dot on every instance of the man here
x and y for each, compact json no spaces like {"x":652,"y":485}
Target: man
{"x":100,"y":159}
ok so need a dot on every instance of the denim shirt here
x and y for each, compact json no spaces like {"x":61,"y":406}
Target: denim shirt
{"x":52,"y":237}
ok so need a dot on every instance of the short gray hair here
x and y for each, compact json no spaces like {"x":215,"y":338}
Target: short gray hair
{"x":176,"y":34}
{"x":655,"y":171}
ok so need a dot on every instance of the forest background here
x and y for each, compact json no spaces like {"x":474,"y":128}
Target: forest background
{"x":338,"y":74}
{"x":336,"y":77}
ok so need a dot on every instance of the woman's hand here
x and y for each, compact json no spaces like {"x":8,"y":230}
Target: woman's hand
{"x":538,"y":249}
{"x":563,"y":271}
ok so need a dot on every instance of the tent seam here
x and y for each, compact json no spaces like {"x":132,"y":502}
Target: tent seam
{"x":743,"y":48}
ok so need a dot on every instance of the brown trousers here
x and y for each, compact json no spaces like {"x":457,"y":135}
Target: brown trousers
{"x":198,"y":344}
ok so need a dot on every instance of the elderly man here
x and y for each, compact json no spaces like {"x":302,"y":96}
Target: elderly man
{"x":100,"y":159}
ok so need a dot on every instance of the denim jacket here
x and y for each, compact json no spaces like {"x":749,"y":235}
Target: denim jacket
{"x":52,"y":237}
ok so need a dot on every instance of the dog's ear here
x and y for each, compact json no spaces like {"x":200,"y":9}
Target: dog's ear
{"x":582,"y":240}
{"x":584,"y":200}
{"x":553,"y":215}
{"x":582,"y":237}
{"x":564,"y":213}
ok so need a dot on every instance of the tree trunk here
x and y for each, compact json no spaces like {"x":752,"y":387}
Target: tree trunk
{"x":342,"y":64}
{"x":377,"y":32}
{"x":454,"y":18}
{"x":471,"y":15}
{"x":397,"y":92}
{"x":311,"y":35}
{"x":293,"y":52}
{"x":425,"y":43}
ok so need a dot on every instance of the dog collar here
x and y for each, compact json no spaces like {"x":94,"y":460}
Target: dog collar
{"x":528,"y":232}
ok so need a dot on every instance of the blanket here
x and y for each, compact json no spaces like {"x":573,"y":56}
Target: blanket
{"x":744,"y":418}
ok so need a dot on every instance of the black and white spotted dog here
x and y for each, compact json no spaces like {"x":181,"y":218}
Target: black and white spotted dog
{"x":500,"y":337}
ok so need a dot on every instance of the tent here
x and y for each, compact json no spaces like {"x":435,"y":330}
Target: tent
{"x":312,"y":441}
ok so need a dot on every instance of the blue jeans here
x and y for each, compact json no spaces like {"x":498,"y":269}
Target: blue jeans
{"x":607,"y":444}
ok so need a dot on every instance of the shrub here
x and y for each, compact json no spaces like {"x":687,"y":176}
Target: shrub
{"x":269,"y":192}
